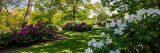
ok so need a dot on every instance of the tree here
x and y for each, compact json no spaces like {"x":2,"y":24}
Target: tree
{"x":74,"y":9}
{"x":1,"y":5}
{"x":131,"y":5}
{"x":1,"y":1}
{"x":28,"y":12}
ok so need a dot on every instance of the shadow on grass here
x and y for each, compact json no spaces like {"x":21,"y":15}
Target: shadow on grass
{"x":77,"y":43}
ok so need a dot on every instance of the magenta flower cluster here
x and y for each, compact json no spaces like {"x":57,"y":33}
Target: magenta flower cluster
{"x":32,"y":33}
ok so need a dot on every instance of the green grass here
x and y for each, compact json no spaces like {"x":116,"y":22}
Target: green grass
{"x":76,"y":43}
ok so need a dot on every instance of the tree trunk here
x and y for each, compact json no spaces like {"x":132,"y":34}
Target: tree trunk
{"x":1,"y":4}
{"x":74,"y":9}
{"x":28,"y":12}
{"x":74,"y":12}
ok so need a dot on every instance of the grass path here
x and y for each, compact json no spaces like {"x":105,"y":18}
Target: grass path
{"x":77,"y":43}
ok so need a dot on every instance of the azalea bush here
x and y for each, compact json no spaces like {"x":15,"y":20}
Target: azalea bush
{"x":34,"y":33}
{"x":77,"y":26}
{"x":136,"y":33}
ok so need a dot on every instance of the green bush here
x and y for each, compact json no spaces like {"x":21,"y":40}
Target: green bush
{"x":5,"y":39}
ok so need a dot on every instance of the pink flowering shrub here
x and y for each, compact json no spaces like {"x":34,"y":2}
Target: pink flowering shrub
{"x":34,"y":33}
{"x":77,"y":26}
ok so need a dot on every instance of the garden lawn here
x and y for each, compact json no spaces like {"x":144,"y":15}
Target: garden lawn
{"x":77,"y":43}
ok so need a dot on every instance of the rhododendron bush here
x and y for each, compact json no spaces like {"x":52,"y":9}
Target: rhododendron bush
{"x":136,"y":33}
{"x":34,"y":33}
{"x":77,"y":26}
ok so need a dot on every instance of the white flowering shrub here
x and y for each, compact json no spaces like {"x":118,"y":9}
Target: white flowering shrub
{"x":102,"y":46}
{"x":136,"y":33}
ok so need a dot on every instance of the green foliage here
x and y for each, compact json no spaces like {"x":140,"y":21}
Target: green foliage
{"x":145,"y":33}
{"x":8,"y":21}
{"x":129,"y":6}
{"x":140,"y":36}
{"x":5,"y":39}
{"x":61,"y":10}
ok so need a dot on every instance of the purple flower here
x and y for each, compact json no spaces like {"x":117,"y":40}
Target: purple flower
{"x":36,"y":32}
{"x":23,"y":31}
{"x":31,"y":31}
{"x":30,"y":26}
{"x":14,"y":36}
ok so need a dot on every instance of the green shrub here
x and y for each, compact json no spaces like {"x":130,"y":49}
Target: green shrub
{"x":5,"y":39}
{"x":145,"y":33}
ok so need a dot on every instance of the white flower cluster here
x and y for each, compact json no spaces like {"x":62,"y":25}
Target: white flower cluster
{"x":108,"y":40}
{"x":98,"y":44}
{"x":116,"y":51}
{"x":121,"y":25}
{"x":88,"y":50}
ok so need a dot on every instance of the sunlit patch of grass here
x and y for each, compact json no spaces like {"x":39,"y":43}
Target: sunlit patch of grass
{"x":41,"y":45}
{"x":26,"y":52}
{"x":66,"y":51}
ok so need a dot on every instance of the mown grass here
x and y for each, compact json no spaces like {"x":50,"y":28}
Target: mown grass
{"x":76,"y":43}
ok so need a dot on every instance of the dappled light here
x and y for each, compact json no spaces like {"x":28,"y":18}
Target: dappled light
{"x":79,"y":26}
